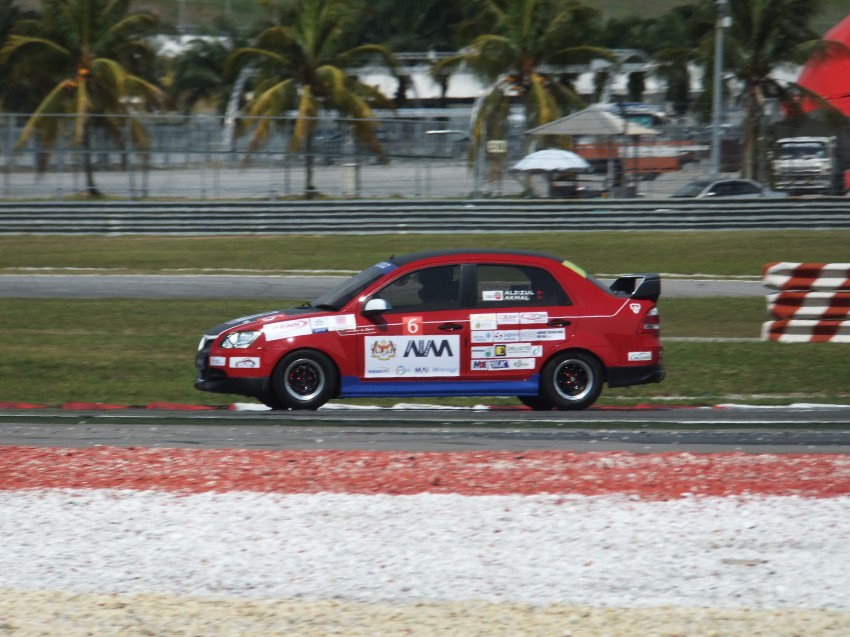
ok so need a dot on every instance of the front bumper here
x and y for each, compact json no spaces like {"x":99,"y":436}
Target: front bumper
{"x":220,"y":383}
{"x":635,"y":375}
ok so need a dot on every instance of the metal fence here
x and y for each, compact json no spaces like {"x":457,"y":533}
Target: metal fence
{"x":208,"y":157}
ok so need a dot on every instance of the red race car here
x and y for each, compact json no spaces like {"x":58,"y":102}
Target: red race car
{"x":446,"y":323}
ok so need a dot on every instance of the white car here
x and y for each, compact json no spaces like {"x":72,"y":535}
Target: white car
{"x":738,"y":188}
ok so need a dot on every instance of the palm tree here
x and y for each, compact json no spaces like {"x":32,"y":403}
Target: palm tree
{"x":12,"y":99}
{"x":89,"y":51}
{"x":300,"y":66}
{"x":518,"y":39}
{"x":669,"y":39}
{"x":198,"y":77}
{"x":764,"y":36}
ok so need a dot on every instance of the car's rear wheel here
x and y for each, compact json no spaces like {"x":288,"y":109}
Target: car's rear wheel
{"x":535,"y":402}
{"x":571,"y":381}
{"x":302,"y":380}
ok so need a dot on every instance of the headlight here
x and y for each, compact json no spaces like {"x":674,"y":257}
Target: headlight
{"x":236,"y":340}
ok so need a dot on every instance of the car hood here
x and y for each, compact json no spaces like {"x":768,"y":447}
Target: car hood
{"x":251,"y":318}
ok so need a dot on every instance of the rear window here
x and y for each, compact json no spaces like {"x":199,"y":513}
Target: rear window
{"x":500,"y":286}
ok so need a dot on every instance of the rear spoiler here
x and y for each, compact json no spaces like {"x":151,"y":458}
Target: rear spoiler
{"x":645,"y":286}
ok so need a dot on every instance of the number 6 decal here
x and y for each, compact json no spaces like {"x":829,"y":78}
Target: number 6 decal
{"x":412,"y":324}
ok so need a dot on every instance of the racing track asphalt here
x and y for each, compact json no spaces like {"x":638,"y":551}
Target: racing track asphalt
{"x":793,"y":429}
{"x":159,"y":286}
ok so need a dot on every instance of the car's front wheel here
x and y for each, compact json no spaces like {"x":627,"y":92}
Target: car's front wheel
{"x":303,"y":380}
{"x":571,"y":381}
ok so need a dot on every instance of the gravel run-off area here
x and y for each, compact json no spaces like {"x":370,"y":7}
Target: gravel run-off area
{"x":170,"y":542}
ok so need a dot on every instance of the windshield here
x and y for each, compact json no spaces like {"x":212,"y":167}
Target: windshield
{"x":337,"y":298}
{"x":808,"y":150}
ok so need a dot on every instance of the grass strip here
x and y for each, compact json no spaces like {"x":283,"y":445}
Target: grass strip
{"x":137,"y":352}
{"x":720,"y":253}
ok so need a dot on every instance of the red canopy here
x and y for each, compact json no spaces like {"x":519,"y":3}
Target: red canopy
{"x":831,"y":78}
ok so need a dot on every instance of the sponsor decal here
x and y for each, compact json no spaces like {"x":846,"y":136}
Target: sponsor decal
{"x":482,"y":336}
{"x":502,"y":364}
{"x":492,"y":295}
{"x":506,"y":336}
{"x":500,"y":350}
{"x":507,"y":318}
{"x":522,"y":350}
{"x":218,"y":361}
{"x":554,"y":334}
{"x":411,"y":325}
{"x":245,"y":362}
{"x":319,"y":324}
{"x":339,"y":322}
{"x":363,"y":329}
{"x":482,"y":352}
{"x":410,"y":356}
{"x":482,"y":321}
{"x":533,"y":317}
{"x":640,"y":356}
{"x":287,"y":329}
{"x":634,"y":307}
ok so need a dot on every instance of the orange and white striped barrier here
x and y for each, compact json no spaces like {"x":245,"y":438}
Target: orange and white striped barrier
{"x":807,"y":276}
{"x":806,"y":331}
{"x":797,"y":304}
{"x":813,"y":305}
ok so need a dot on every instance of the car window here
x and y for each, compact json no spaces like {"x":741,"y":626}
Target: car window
{"x":691,"y":190}
{"x":513,"y":286}
{"x":425,"y":290}
{"x":747,"y":188}
{"x":720,"y":189}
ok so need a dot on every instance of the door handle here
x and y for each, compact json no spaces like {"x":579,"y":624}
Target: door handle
{"x":451,"y":327}
{"x":558,"y":323}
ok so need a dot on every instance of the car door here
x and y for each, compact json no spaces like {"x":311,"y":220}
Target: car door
{"x":421,"y":337}
{"x":521,"y":315}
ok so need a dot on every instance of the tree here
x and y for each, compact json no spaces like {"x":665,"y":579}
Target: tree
{"x":301,"y":66}
{"x":12,"y":99}
{"x":412,"y":25}
{"x":198,"y":75}
{"x":764,"y":36}
{"x":516,"y":40}
{"x":88,"y":50}
{"x":670,"y":41}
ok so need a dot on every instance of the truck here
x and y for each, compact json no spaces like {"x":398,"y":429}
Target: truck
{"x":811,"y":166}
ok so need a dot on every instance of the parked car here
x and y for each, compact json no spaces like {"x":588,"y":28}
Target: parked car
{"x":447,"y":323}
{"x":716,"y":188}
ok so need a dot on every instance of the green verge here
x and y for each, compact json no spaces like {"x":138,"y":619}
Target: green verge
{"x":719,"y":253}
{"x":138,"y":352}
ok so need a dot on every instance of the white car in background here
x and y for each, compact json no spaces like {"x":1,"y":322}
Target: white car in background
{"x":722,"y":188}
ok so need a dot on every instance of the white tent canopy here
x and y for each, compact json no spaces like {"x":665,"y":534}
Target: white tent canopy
{"x":551,"y":160}
{"x":595,"y":120}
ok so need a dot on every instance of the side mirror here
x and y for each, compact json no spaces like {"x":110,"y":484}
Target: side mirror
{"x":375,"y":306}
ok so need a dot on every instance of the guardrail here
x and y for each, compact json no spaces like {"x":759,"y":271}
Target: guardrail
{"x":393,"y":216}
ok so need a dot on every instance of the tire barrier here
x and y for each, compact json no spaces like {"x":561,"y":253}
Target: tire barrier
{"x":807,"y":276}
{"x":813,"y":305}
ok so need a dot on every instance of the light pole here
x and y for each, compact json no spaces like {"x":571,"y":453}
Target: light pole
{"x":723,"y":21}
